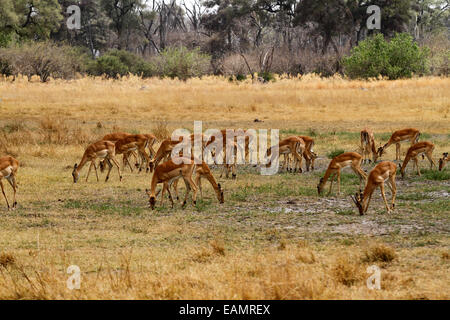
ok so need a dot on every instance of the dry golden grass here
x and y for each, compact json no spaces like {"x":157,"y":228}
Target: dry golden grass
{"x":244,"y":249}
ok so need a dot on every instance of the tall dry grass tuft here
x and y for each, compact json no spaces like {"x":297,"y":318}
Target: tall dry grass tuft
{"x":379,"y":253}
{"x":160,"y":129}
{"x":7,"y":259}
{"x":347,"y":271}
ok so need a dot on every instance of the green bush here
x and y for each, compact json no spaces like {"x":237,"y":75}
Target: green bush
{"x":399,"y":58}
{"x":182,"y":63}
{"x":118,"y":63}
{"x":335,"y":153}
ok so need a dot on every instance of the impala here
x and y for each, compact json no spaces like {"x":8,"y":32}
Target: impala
{"x":8,"y":170}
{"x":293,"y":145}
{"x":384,"y":171}
{"x":167,"y":173}
{"x":102,"y":150}
{"x":203,"y":171}
{"x":423,"y":147}
{"x":368,"y":146}
{"x":339,"y":162}
{"x":136,"y":142}
{"x":114,"y":137}
{"x":409,"y":134}
{"x":443,"y":161}
{"x":308,"y":154}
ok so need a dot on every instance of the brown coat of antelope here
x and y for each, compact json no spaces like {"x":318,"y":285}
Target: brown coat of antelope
{"x":135,"y":142}
{"x":308,"y":154}
{"x":423,"y":147}
{"x":203,"y":171}
{"x":443,"y":161}
{"x":409,"y":134}
{"x":368,"y":146}
{"x":102,"y":150}
{"x":384,"y":171}
{"x":339,"y":162}
{"x":291,"y":145}
{"x":166,"y":173}
{"x":8,"y":170}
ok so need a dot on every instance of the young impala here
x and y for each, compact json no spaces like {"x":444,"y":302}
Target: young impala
{"x":409,"y":134}
{"x":339,"y":162}
{"x":102,"y":150}
{"x":414,"y":151}
{"x":8,"y":170}
{"x":166,"y":173}
{"x":384,"y":171}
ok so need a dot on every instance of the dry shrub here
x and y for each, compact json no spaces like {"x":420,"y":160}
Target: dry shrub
{"x":217,"y":247}
{"x":379,"y":253}
{"x":445,"y":255}
{"x":6,"y":259}
{"x":306,"y":256}
{"x":160,"y":129}
{"x":347,"y":271}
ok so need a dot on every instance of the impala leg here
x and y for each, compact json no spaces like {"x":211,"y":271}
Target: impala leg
{"x":339,"y":181}
{"x":118,"y":167}
{"x":4,"y":194}
{"x":175,"y":188}
{"x":198,"y":182}
{"x":397,"y":151}
{"x":188,"y":189}
{"x":170,"y":195}
{"x":194,"y":189}
{"x":368,"y":202}
{"x":430,"y":158}
{"x":96,"y":173}
{"x":332,"y":176}
{"x":12,"y":182}
{"x":416,"y":161}
{"x":109,"y":169}
{"x":89,"y":171}
{"x":384,"y":197}
{"x":393,"y":187}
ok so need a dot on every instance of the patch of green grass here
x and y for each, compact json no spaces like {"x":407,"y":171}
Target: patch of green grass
{"x":202,"y":205}
{"x":124,"y":208}
{"x":413,"y":196}
{"x":344,"y":212}
{"x":437,"y":206}
{"x":435,"y":174}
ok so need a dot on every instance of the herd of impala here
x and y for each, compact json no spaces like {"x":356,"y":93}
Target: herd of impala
{"x":298,"y":147}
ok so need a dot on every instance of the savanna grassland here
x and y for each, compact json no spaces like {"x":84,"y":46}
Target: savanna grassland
{"x":274,"y":238}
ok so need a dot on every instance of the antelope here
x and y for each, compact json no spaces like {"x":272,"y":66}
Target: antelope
{"x":423,"y":147}
{"x":301,"y":150}
{"x":293,"y":145}
{"x":409,"y":134}
{"x":101,"y":149}
{"x":368,"y":146}
{"x":203,"y":171}
{"x":131,"y":143}
{"x":308,"y":154}
{"x":384,"y":171}
{"x":8,"y":170}
{"x":114,"y":137}
{"x":443,"y":160}
{"x":167,"y":173}
{"x":339,"y":162}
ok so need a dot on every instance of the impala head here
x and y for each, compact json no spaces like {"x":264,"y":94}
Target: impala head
{"x":152,"y":199}
{"x":380,"y":152}
{"x":220,"y":194}
{"x":401,"y":170}
{"x":320,"y":186}
{"x":75,"y":174}
{"x":442,"y":161}
{"x":358,"y":200}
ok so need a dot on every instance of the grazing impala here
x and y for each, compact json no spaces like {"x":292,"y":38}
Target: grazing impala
{"x":114,"y":137}
{"x":443,"y":161}
{"x":203,"y":171}
{"x":135,"y":142}
{"x":8,"y":170}
{"x":101,"y":149}
{"x":368,"y":146}
{"x":414,"y":151}
{"x":294,"y":145}
{"x":409,"y":134}
{"x":167,"y":173}
{"x":384,"y":171}
{"x":339,"y":162}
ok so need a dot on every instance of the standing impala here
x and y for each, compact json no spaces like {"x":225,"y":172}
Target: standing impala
{"x":8,"y":170}
{"x":339,"y":162}
{"x":443,"y":160}
{"x":384,"y":171}
{"x":294,"y":145}
{"x":409,"y":134}
{"x":167,"y":173}
{"x":368,"y":146}
{"x":135,"y":142}
{"x":102,"y":150}
{"x":423,"y":147}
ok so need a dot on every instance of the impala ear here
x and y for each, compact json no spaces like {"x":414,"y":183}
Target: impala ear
{"x":75,"y":166}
